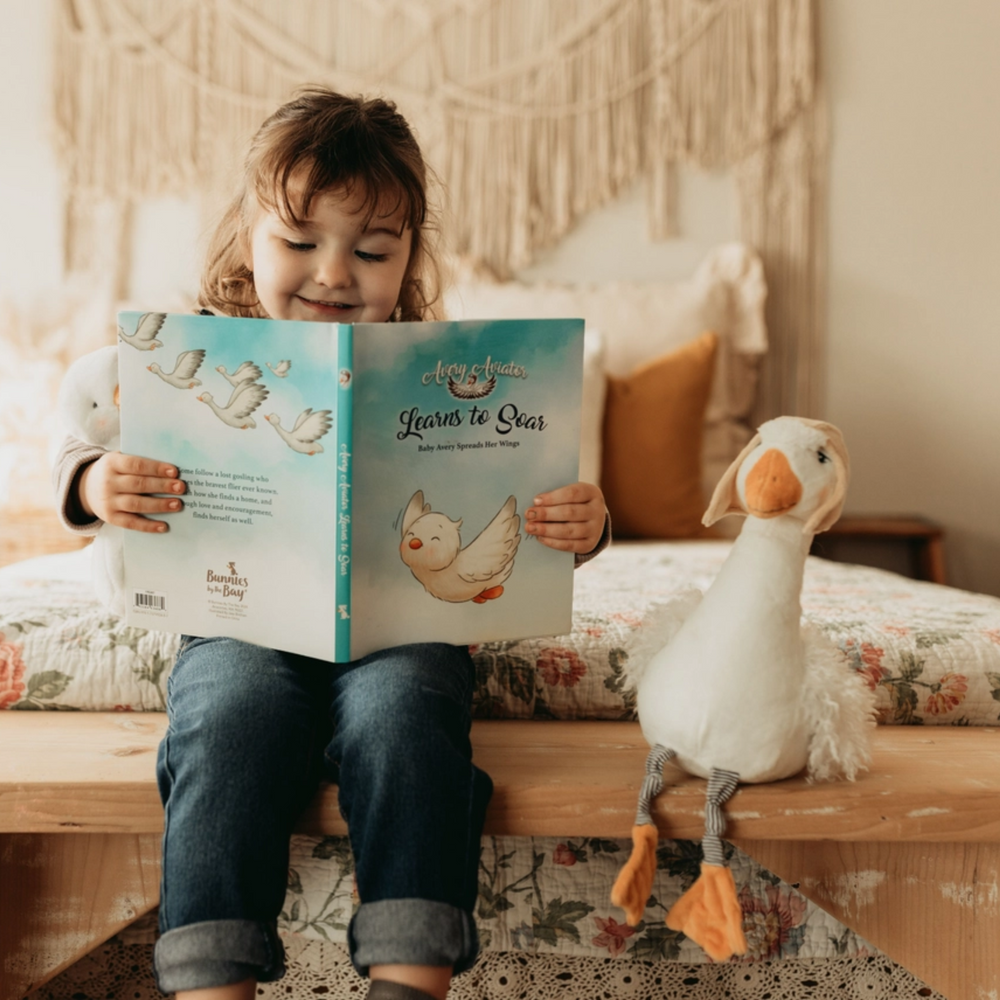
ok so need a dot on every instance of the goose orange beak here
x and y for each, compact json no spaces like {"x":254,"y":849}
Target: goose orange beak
{"x":771,"y":487}
{"x":415,"y":543}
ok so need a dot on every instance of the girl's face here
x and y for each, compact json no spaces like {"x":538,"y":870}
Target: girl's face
{"x":332,"y":268}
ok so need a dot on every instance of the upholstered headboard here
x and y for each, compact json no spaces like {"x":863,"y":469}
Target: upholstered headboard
{"x":665,"y":410}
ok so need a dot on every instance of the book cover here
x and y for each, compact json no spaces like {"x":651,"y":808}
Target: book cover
{"x":351,"y":487}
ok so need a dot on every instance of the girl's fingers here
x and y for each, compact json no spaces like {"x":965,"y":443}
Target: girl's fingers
{"x":561,"y":512}
{"x":136,"y":522}
{"x":559,"y":529}
{"x":579,"y":493}
{"x":129,"y":503}
{"x":132,"y":474}
{"x":148,"y":484}
{"x":135,"y":465}
{"x":562,"y":544}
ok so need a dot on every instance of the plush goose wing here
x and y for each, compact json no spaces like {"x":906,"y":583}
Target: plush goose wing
{"x":493,"y":548}
{"x":839,"y":707}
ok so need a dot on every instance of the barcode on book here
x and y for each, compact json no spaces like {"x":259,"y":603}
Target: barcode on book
{"x":148,"y":600}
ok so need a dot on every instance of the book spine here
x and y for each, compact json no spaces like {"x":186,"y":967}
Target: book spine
{"x":345,"y":446}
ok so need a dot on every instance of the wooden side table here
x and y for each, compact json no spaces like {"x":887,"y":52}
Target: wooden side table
{"x":920,"y":540}
{"x":26,"y":533}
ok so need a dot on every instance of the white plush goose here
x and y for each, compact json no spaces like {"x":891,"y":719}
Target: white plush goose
{"x":733,"y":687}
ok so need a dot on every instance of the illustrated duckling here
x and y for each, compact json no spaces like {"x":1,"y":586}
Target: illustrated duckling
{"x":236,"y":413}
{"x":431,"y":546}
{"x":735,"y":688}
{"x":309,"y":428}
{"x":182,"y":377}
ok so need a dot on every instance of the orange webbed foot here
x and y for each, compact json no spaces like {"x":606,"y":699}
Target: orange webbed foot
{"x":635,"y":881}
{"x":709,"y":914}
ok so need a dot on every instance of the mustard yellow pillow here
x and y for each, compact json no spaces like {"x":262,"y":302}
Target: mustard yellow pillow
{"x":653,"y":418}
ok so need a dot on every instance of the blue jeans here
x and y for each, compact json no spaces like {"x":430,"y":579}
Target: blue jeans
{"x":252,"y":731}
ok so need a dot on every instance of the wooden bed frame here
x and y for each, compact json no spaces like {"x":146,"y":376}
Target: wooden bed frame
{"x":908,"y":856}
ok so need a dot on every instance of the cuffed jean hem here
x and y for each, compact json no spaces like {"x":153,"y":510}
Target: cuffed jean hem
{"x":412,"y":932}
{"x":217,"y":953}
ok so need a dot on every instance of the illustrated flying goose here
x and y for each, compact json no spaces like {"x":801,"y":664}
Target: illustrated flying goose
{"x":280,"y":369}
{"x":144,"y":338}
{"x":247,"y":372}
{"x":308,"y":429}
{"x":236,"y":413}
{"x":182,"y":377}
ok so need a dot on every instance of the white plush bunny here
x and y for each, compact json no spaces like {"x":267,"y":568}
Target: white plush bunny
{"x":88,"y":406}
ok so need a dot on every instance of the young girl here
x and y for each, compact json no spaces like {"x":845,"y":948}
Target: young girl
{"x":331,"y":223}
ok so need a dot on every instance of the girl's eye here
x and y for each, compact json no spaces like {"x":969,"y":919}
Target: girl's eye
{"x":292,"y":245}
{"x":375,"y":257}
{"x":823,"y":456}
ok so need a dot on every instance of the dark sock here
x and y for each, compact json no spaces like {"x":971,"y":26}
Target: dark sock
{"x":383,"y":989}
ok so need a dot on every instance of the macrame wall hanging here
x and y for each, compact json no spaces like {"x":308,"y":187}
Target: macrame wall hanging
{"x":532,"y":112}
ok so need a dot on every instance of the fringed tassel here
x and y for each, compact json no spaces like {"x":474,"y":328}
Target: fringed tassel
{"x":534,"y":114}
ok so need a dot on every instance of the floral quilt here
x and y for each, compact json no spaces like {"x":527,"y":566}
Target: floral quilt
{"x":544,"y":895}
{"x":932,"y":654}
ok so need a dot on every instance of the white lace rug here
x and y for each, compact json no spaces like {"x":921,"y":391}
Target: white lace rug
{"x":120,"y":970}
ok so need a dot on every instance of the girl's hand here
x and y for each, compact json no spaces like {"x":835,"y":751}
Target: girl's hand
{"x":570,"y":518}
{"x":116,"y":489}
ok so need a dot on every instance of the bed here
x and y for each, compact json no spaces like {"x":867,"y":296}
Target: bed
{"x":931,"y":653}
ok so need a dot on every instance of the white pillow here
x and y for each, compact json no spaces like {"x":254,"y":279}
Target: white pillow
{"x":639,"y":321}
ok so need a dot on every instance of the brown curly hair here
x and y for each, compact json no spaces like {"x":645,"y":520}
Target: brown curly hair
{"x":333,"y":141}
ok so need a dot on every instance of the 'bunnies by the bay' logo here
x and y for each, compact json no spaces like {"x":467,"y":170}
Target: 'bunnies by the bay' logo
{"x":229,"y":585}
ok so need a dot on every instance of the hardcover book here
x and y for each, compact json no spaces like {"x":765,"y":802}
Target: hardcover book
{"x":351,"y":487}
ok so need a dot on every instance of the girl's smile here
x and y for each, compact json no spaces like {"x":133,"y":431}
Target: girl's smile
{"x":334,"y":267}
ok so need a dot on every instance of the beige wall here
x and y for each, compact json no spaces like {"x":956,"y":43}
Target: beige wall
{"x":914,"y":292}
{"x":913,"y":372}
{"x":30,"y":224}
{"x":913,"y":356}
